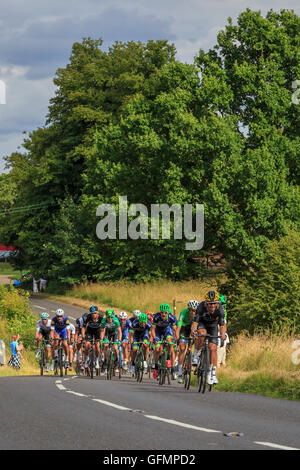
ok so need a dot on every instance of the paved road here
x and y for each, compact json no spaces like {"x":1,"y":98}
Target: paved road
{"x":79,"y":413}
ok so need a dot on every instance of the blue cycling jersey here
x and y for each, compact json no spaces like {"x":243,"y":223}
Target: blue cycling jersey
{"x":140,"y":332}
{"x":161,"y":323}
{"x":57,"y":326}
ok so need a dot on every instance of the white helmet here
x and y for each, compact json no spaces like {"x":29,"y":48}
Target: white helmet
{"x":123,"y":315}
{"x":59,"y":312}
{"x":136,"y":313}
{"x":193,"y":304}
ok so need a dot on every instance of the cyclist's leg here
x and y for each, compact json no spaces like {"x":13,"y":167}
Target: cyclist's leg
{"x":201,"y":330}
{"x":213,"y":345}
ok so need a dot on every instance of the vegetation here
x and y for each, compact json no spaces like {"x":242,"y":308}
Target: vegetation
{"x":135,"y":121}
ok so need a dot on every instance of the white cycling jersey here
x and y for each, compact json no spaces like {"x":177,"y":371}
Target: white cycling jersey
{"x":40,"y":324}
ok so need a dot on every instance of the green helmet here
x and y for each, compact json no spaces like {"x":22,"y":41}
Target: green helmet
{"x":109,"y":313}
{"x":143,"y":318}
{"x":165,"y":308}
{"x":223,"y":299}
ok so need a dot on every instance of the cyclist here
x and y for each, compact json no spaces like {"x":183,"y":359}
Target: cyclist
{"x":223,"y":301}
{"x":71,"y":345}
{"x":164,"y":327}
{"x":91,"y":329}
{"x":125,"y":326}
{"x":209,"y":315}
{"x":43,"y":327}
{"x":110,"y":331}
{"x":183,"y":332}
{"x":150,"y":316}
{"x":60,"y":328}
{"x":136,"y":314}
{"x":139,"y":332}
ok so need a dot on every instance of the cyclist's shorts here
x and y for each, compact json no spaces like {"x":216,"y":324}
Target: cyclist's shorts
{"x":92,"y":333}
{"x":141,"y":337}
{"x":163,"y":333}
{"x":111,"y":337}
{"x":185,"y":333}
{"x":62,"y":333}
{"x":45,"y":335}
{"x":125,"y":336}
{"x":211,"y":330}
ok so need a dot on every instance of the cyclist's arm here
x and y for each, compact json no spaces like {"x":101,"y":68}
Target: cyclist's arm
{"x":194,"y":327}
{"x":120,"y":333}
{"x":153,"y":333}
{"x":102,"y":333}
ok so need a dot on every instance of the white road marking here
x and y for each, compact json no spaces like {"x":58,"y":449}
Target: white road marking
{"x":178,"y":423}
{"x":59,"y":385}
{"x":113,"y":405}
{"x":76,"y":393}
{"x":168,"y":421}
{"x":276,"y":446}
{"x":38,"y":306}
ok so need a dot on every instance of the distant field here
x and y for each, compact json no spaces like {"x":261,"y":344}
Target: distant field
{"x":7,"y":269}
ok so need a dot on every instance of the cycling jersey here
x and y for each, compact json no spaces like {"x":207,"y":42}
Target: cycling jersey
{"x":60,"y":328}
{"x":40,"y":326}
{"x":164,"y":327}
{"x":203,"y":316}
{"x":184,"y":318}
{"x":125,"y":330}
{"x":140,"y":333}
{"x":88,"y":322}
{"x":110,"y":327}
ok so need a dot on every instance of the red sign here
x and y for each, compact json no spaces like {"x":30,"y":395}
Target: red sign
{"x":7,"y":248}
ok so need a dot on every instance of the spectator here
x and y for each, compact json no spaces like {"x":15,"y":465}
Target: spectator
{"x":15,"y":352}
{"x":43,"y":284}
{"x":2,"y":352}
{"x":221,"y":351}
{"x":35,"y":285}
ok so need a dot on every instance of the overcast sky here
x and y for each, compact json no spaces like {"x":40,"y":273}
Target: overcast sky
{"x":36,"y":38}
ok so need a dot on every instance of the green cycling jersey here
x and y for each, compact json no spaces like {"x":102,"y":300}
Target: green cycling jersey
{"x":113,"y":326}
{"x":184,"y":318}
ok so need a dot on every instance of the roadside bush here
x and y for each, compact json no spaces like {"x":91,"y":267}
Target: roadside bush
{"x":268,"y":298}
{"x":15,"y":311}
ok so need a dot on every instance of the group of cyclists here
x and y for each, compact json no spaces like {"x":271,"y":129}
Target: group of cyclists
{"x":126,"y":333}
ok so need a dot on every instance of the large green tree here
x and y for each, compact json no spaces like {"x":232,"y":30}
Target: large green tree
{"x":135,"y":121}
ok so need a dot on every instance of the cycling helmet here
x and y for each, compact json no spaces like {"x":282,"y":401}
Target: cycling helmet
{"x":223,"y":299}
{"x":165,"y":308}
{"x":44,"y":315}
{"x":193,"y":304}
{"x":143,"y":318}
{"x":109,"y":313}
{"x":59,"y":312}
{"x":93,"y":308}
{"x":212,"y":296}
{"x":136,"y":313}
{"x":123,"y":315}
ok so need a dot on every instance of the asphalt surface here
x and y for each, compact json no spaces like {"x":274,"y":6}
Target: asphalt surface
{"x":78,"y":413}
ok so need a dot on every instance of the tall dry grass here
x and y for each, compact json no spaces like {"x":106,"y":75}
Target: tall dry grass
{"x":130,"y":296}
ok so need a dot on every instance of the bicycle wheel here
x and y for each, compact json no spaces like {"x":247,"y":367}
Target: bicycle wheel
{"x":42,"y":361}
{"x":140,"y":366}
{"x":60,"y":362}
{"x":187,"y":370}
{"x":92,"y":362}
{"x":150,"y":361}
{"x":203,"y":370}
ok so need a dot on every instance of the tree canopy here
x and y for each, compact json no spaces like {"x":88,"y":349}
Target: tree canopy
{"x":134,"y":121}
